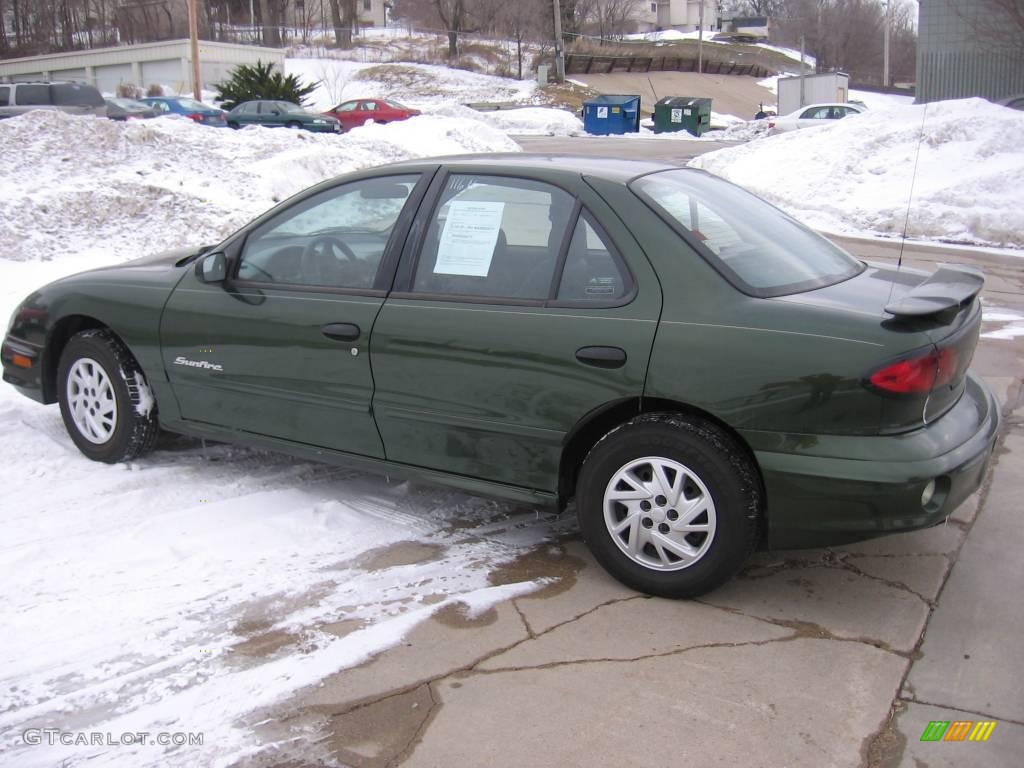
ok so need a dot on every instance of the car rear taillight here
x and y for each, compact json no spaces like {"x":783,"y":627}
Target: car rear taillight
{"x":771,"y":125}
{"x":195,"y":116}
{"x":917,"y":375}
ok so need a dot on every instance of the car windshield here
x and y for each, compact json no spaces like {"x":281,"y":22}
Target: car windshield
{"x":394,"y":104}
{"x":757,"y":247}
{"x":128,"y":104}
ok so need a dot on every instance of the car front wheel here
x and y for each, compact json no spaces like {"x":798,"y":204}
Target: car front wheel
{"x":105,"y":401}
{"x":669,"y":505}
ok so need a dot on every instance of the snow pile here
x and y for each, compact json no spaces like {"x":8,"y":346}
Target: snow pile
{"x":72,"y":184}
{"x":855,"y":175}
{"x":524,"y":121}
{"x":415,"y":85}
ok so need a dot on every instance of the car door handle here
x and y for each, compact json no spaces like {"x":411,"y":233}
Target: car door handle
{"x":602,"y":357}
{"x":341,"y":331}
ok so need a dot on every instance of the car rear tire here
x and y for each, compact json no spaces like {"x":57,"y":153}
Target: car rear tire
{"x":105,"y":400}
{"x":236,"y":126}
{"x":669,"y":505}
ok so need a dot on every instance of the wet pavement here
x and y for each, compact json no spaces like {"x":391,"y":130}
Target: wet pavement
{"x":827,"y":657}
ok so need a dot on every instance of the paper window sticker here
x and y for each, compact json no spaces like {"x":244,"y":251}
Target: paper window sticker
{"x":468,"y":238}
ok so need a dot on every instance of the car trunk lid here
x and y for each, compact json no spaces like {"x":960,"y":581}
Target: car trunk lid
{"x":928,"y":326}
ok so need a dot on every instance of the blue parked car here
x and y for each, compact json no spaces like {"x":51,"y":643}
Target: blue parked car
{"x":190,"y":108}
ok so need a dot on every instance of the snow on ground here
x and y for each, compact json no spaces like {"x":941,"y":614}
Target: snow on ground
{"x":524,"y":121}
{"x":873,"y":100}
{"x":1011,"y":323}
{"x":855,"y":175}
{"x":166,"y":182}
{"x":186,"y":590}
{"x":416,"y":85}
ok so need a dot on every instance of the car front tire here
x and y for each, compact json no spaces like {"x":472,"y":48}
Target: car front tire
{"x":669,"y":505}
{"x":105,"y":400}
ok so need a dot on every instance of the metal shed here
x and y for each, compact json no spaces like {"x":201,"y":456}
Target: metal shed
{"x":796,"y":92}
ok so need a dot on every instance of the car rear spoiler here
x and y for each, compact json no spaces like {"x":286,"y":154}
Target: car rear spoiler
{"x":952,"y":286}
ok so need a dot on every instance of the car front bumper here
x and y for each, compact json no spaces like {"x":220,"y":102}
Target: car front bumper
{"x":22,"y":366}
{"x":829,"y":489}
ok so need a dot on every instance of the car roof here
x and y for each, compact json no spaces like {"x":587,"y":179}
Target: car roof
{"x":613,"y":169}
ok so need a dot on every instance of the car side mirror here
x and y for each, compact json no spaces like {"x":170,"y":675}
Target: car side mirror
{"x":212,"y":268}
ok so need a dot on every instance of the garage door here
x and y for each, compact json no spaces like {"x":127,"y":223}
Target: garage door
{"x":112,"y":75}
{"x":167,"y":72}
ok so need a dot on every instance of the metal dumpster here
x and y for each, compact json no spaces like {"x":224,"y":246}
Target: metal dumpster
{"x":611,"y":114}
{"x":682,"y":113}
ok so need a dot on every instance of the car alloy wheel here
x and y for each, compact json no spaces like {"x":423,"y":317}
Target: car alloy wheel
{"x":670,"y":504}
{"x":106,"y":403}
{"x":659,"y":513}
{"x":91,"y":400}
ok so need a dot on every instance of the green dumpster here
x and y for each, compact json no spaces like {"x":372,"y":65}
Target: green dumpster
{"x":682,"y":113}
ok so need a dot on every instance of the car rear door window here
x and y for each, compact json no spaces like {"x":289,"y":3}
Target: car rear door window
{"x":32,"y":95}
{"x":494,"y":237}
{"x":593,"y":271}
{"x":816,"y":113}
{"x":4,"y":95}
{"x":75,"y":95}
{"x":334,"y":239}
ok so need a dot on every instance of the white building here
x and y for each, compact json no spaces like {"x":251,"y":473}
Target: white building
{"x":684,"y":15}
{"x":165,"y":63}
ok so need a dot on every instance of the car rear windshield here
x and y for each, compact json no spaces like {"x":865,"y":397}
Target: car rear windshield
{"x":74,"y":95}
{"x":754,"y":245}
{"x":192,"y":104}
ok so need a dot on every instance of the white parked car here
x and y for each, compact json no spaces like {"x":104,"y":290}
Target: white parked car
{"x":814,"y":114}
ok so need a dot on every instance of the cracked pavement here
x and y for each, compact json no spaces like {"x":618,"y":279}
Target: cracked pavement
{"x":830,"y":657}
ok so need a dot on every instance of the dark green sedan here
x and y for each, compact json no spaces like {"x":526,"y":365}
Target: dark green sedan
{"x":701,"y":373}
{"x":280,"y":114}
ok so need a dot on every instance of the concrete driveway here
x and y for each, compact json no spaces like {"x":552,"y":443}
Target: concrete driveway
{"x":829,"y":657}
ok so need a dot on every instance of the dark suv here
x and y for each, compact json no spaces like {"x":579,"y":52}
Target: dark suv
{"x":74,"y":98}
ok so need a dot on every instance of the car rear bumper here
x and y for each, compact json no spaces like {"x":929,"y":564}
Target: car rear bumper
{"x":824,"y":490}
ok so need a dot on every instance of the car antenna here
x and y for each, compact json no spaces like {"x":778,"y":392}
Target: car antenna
{"x":913,"y":178}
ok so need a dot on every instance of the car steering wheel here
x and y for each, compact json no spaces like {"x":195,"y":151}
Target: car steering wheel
{"x":333,"y":242}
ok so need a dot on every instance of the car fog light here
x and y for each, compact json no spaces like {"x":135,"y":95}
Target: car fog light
{"x":928,"y":494}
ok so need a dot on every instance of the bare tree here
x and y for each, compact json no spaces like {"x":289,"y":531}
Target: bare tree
{"x":521,"y":21}
{"x":455,"y":17}
{"x":613,"y":17}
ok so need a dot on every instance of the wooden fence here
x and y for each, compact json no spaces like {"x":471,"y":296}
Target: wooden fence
{"x":586,"y":64}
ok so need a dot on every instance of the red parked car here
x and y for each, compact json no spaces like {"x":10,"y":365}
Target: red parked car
{"x":359,"y":111}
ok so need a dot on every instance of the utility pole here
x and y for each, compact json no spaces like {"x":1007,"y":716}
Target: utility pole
{"x":700,"y":38}
{"x":885,"y":46}
{"x":803,"y":100}
{"x":559,"y":49}
{"x":193,"y":33}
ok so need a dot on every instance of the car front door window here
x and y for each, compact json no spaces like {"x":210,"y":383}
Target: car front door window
{"x":334,"y":239}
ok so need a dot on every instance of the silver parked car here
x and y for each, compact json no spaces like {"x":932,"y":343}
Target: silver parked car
{"x":74,"y":98}
{"x":814,"y":114}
